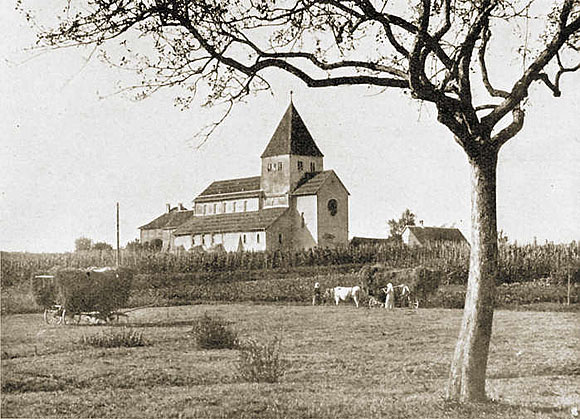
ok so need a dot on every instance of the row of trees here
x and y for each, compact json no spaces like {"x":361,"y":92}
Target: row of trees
{"x":84,"y":244}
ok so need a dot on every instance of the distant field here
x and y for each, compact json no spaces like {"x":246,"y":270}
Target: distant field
{"x":342,"y":363}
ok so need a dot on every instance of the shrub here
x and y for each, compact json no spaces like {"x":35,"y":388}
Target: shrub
{"x":213,"y":332}
{"x":450,"y":296}
{"x":124,"y":338}
{"x":261,"y":363}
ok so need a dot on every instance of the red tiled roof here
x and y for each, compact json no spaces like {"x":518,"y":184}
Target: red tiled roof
{"x":228,"y":223}
{"x":172,"y":219}
{"x":232,"y":186}
{"x":437,"y":234}
{"x":291,"y":137}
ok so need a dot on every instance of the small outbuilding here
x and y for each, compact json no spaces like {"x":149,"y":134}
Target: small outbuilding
{"x":423,"y":236}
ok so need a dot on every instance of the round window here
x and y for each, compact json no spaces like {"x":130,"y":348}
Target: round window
{"x":332,"y":207}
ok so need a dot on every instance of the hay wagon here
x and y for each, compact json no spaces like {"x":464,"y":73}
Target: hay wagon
{"x":412,"y":286}
{"x":71,"y":295}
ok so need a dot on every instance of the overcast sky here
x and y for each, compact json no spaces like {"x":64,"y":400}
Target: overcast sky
{"x":70,"y":149}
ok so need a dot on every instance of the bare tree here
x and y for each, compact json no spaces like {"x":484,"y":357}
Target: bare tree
{"x":435,"y":49}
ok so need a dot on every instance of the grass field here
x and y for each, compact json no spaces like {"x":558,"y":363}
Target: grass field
{"x":342,"y":362}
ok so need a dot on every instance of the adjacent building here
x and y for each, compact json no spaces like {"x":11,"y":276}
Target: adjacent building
{"x":159,"y":232}
{"x":423,"y":236}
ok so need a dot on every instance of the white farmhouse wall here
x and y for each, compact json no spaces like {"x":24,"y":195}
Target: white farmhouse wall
{"x":307,"y":232}
{"x":184,"y":241}
{"x":231,"y":206}
{"x":254,"y":241}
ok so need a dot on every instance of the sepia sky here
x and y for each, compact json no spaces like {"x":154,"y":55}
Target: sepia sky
{"x":70,"y":148}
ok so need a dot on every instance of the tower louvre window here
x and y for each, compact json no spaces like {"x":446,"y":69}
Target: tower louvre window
{"x":279,"y":165}
{"x":300,"y":165}
{"x":312,"y":166}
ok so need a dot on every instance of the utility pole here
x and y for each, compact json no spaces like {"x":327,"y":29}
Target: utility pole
{"x":569,"y":277}
{"x":118,"y":247}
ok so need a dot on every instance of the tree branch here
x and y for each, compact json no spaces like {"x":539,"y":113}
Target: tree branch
{"x":520,"y":88}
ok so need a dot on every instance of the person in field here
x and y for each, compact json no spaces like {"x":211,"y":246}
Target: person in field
{"x":390,"y":300}
{"x":405,"y":295}
{"x":316,"y":297}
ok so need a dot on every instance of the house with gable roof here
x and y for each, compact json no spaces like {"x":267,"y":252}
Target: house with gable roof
{"x":159,"y":232}
{"x":423,"y":236}
{"x":294,"y":204}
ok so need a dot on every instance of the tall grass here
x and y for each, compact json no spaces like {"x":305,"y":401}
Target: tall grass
{"x":123,"y":338}
{"x":261,"y":362}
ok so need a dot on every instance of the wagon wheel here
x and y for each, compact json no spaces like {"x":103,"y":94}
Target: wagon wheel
{"x":53,"y":315}
{"x":116,"y":317}
{"x":72,"y":318}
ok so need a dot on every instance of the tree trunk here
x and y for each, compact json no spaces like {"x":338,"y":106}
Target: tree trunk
{"x":468,"y":368}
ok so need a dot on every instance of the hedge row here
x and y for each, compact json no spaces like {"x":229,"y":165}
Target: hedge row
{"x":516,"y":263}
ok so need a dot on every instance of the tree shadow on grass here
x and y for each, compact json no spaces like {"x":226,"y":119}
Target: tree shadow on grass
{"x":165,"y":323}
{"x":572,"y":369}
{"x":495,"y":408}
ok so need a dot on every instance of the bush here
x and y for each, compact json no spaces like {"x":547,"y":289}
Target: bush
{"x":261,"y":363}
{"x":213,"y":332}
{"x":450,"y":296}
{"x":124,"y":338}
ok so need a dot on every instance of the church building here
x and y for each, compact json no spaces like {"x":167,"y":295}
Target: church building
{"x":293,"y":204}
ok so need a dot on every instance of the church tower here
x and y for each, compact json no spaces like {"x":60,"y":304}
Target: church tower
{"x":290,"y":157}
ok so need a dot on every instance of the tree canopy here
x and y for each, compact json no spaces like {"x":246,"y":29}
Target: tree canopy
{"x":431,"y":48}
{"x":396,"y":227}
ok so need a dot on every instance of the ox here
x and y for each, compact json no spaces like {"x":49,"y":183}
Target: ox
{"x":344,"y":293}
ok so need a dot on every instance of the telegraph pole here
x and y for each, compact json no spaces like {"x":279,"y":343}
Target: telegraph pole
{"x":118,"y":247}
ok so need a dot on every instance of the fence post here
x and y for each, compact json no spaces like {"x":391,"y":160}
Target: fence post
{"x":568,"y":297}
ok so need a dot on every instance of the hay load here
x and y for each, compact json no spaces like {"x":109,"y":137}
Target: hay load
{"x":421,"y":281}
{"x":102,"y":290}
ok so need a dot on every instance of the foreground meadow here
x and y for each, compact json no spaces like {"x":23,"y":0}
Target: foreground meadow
{"x":340,"y":362}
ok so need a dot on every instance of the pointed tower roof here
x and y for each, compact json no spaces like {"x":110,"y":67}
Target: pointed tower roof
{"x":292,"y":137}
